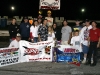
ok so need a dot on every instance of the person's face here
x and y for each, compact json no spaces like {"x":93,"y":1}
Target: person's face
{"x":65,"y":23}
{"x":45,"y":22}
{"x":49,"y":28}
{"x":39,"y":20}
{"x":76,"y":33}
{"x":87,"y":23}
{"x":25,"y":20}
{"x":54,"y":25}
{"x":18,"y":38}
{"x":77,"y":22}
{"x":13,"y":21}
{"x":35,"y":23}
{"x":94,"y":24}
{"x":49,"y":15}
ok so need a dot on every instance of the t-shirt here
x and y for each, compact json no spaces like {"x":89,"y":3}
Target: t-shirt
{"x":66,"y":30}
{"x":77,"y":28}
{"x":34,"y":31}
{"x":94,"y":34}
{"x":84,"y":34}
{"x":51,"y":36}
{"x":76,"y":41}
{"x":14,"y":43}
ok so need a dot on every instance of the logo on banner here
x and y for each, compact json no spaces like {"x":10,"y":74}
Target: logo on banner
{"x":47,"y":50}
{"x":31,"y":51}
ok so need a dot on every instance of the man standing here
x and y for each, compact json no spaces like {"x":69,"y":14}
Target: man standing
{"x":43,"y":31}
{"x":84,"y":34}
{"x":13,"y":29}
{"x":94,"y":39}
{"x":66,"y":33}
{"x":25,"y":29}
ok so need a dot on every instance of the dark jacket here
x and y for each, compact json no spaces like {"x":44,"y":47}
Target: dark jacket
{"x":13,"y":30}
{"x":57,"y":33}
{"x":25,"y":29}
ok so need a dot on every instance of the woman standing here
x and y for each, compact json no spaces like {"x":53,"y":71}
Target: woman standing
{"x":51,"y":34}
{"x":34,"y":32}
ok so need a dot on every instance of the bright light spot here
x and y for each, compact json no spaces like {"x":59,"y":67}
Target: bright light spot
{"x":83,"y":10}
{"x":12,"y":8}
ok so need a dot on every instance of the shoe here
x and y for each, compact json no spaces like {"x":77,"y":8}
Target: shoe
{"x":87,"y":63}
{"x":84,"y":61}
{"x":92,"y":65}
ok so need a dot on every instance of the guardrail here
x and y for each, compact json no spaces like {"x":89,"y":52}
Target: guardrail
{"x":4,"y":33}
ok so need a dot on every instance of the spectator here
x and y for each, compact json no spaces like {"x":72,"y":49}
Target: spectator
{"x":66,"y":33}
{"x":51,"y":35}
{"x":77,"y":42}
{"x":15,"y":43}
{"x":43,"y":31}
{"x":39,"y":21}
{"x":94,"y":39}
{"x":77,"y":26}
{"x":25,"y":29}
{"x":13,"y":29}
{"x":84,"y":36}
{"x":34,"y":32}
{"x":57,"y":32}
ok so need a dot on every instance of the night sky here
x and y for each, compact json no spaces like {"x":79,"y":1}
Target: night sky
{"x":70,"y":9}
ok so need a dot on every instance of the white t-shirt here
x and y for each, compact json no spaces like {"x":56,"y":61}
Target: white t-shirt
{"x":14,"y":43}
{"x":76,"y":41}
{"x":34,"y":31}
{"x":84,"y":34}
{"x":51,"y":36}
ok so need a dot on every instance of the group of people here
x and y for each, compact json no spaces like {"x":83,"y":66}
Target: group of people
{"x":86,"y":39}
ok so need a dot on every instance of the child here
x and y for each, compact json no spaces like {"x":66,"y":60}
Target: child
{"x":76,"y":42}
{"x":51,"y":35}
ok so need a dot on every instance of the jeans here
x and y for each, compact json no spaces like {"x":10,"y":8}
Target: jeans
{"x":93,"y":50}
{"x":35,"y":39}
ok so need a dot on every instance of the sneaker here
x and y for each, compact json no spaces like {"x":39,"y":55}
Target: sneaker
{"x":84,"y":61}
{"x":93,"y":65}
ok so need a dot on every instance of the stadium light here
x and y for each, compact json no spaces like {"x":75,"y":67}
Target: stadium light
{"x":82,"y":10}
{"x":12,"y":8}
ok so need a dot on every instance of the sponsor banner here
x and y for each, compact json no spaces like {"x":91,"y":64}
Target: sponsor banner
{"x":41,"y":51}
{"x":9,"y":56}
{"x":67,"y":54}
{"x":50,"y":4}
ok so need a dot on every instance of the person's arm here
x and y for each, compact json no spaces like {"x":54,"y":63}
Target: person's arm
{"x":53,"y":35}
{"x":71,"y":41}
{"x":39,"y":33}
{"x":11,"y":44}
{"x":70,"y":35}
{"x":99,"y":39}
{"x":31,"y":36}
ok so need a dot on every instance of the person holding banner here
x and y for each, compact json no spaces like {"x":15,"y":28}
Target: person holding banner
{"x":15,"y":43}
{"x":43,"y":31}
{"x":51,"y":35}
{"x":77,"y":42}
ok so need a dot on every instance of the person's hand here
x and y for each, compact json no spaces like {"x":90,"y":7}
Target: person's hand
{"x":32,"y":40}
{"x":98,"y":45}
{"x":68,"y":41}
{"x":29,"y":39}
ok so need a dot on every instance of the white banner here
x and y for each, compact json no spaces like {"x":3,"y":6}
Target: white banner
{"x":41,"y":51}
{"x":9,"y":56}
{"x":50,"y":4}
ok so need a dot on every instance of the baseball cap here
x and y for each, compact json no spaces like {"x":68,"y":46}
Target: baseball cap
{"x":18,"y":35}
